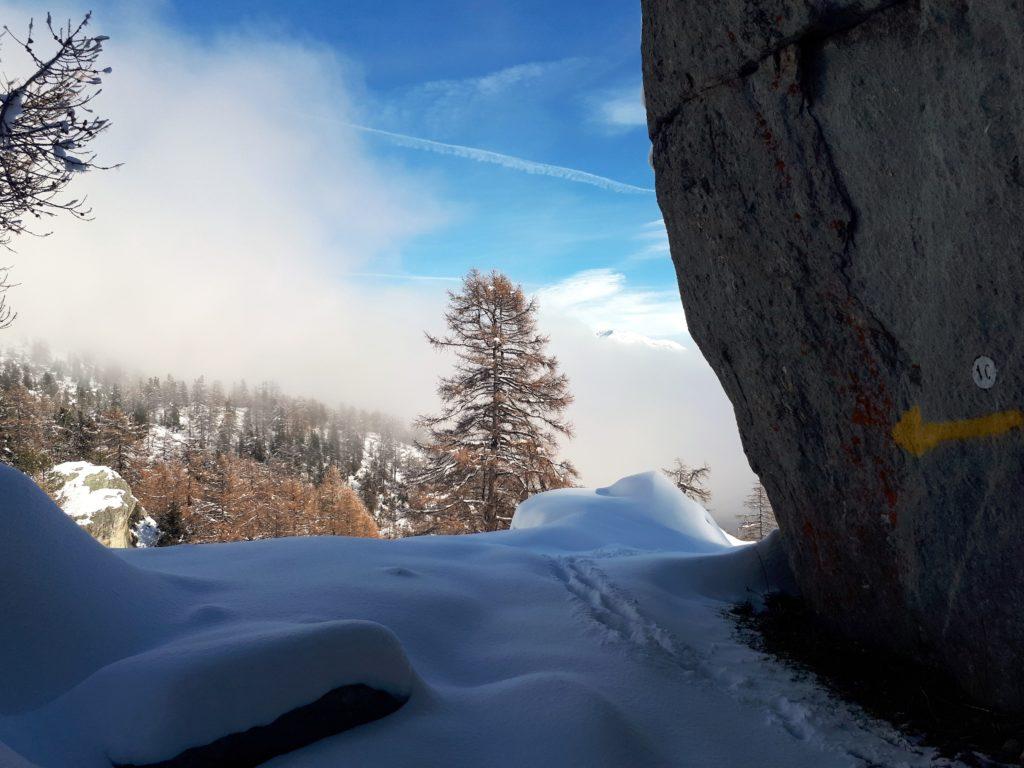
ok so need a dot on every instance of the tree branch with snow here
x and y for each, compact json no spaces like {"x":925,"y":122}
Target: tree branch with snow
{"x":47,"y":125}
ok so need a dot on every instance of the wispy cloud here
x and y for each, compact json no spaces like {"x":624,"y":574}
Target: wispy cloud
{"x":254,"y":286}
{"x":603,"y":300}
{"x":654,"y":239}
{"x":493,"y":83}
{"x":506,"y":161}
{"x":524,"y":94}
{"x":622,"y":109}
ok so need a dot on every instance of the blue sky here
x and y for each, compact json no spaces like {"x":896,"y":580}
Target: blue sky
{"x":553,"y":83}
{"x":252,"y":231}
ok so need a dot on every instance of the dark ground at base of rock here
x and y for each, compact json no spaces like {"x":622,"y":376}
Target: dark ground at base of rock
{"x":336,"y":711}
{"x":912,"y":697}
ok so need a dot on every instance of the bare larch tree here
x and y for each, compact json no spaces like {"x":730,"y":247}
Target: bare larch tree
{"x":690,"y":480}
{"x":760,"y":518}
{"x":495,"y":441}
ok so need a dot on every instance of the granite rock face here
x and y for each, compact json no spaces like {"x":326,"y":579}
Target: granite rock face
{"x":843,"y":189}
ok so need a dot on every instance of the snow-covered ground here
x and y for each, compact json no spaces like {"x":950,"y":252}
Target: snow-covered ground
{"x":592,"y":634}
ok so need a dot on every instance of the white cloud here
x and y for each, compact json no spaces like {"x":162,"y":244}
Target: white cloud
{"x":637,"y":408}
{"x":441,"y":108}
{"x":602,"y":300}
{"x":622,"y":109}
{"x":630,"y":337}
{"x":219,"y":245}
{"x":654,"y":241}
{"x":494,"y":82}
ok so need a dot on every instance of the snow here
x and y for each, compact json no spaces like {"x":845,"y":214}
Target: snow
{"x":640,"y":499}
{"x":592,"y":633}
{"x":146,"y":531}
{"x":193,"y":691}
{"x":78,"y":500}
{"x":13,"y":104}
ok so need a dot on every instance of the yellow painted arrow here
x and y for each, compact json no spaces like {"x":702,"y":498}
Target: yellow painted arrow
{"x":917,"y":436}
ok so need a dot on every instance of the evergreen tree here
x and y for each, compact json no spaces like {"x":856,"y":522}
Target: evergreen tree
{"x":49,"y":385}
{"x":494,"y":442}
{"x":226,"y":430}
{"x":83,"y":435}
{"x":172,"y":417}
{"x":199,"y":417}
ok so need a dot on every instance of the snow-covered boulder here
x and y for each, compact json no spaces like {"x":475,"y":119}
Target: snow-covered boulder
{"x":99,"y":500}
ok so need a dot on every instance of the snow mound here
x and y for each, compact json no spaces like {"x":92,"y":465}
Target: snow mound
{"x":141,"y":662}
{"x":647,"y":499}
{"x":203,"y":687}
{"x":68,"y":604}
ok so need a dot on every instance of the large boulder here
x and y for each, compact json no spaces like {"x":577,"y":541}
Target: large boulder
{"x":843,"y":189}
{"x":99,"y":500}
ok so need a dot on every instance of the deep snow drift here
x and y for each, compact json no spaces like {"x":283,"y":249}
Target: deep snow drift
{"x":590,"y":634}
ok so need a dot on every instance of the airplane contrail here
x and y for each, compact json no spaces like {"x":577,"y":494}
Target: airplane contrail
{"x":507,"y":161}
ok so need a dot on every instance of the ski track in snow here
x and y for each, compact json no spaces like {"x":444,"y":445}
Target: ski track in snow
{"x":805,"y":711}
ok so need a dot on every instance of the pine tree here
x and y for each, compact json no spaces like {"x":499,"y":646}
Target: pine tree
{"x":495,"y":441}
{"x":760,"y":518}
{"x":199,"y":417}
{"x":172,"y":417}
{"x":690,"y":480}
{"x":226,"y":430}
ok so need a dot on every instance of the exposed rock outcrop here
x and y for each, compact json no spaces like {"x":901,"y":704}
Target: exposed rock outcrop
{"x":99,"y":500}
{"x":843,"y":189}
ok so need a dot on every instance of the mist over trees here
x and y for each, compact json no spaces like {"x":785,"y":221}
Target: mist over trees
{"x":495,"y":440}
{"x":211,"y":462}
